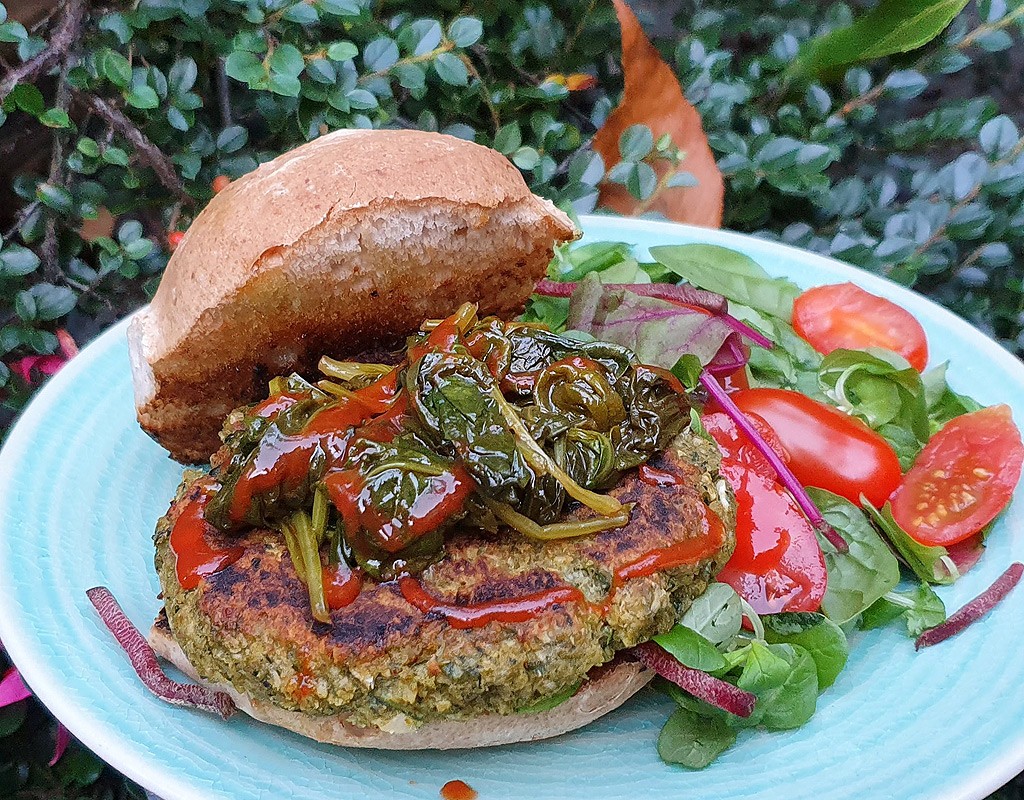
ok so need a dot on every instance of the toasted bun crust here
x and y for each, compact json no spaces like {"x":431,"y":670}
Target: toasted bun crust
{"x":605,"y":691}
{"x":349,"y":240}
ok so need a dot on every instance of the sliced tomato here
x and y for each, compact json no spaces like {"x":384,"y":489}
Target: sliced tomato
{"x":843,"y":315}
{"x":738,"y":452}
{"x":777,"y":565}
{"x":962,"y":479}
{"x":827,"y":448}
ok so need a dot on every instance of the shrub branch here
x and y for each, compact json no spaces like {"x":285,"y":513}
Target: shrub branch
{"x":147,"y":151}
{"x":64,"y":35}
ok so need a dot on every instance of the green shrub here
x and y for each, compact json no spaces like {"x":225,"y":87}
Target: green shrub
{"x":910,"y":166}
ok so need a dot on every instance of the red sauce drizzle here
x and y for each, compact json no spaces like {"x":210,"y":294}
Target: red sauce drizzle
{"x":476,"y":615}
{"x":351,"y":496}
{"x":687,"y":551}
{"x":658,"y":477}
{"x":458,"y":790}
{"x":284,"y":461}
{"x":342,"y":585}
{"x":443,"y":338}
{"x":194,"y":557}
{"x":277,"y":403}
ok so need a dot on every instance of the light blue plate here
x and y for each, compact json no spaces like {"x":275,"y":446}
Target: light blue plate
{"x":82,"y":487}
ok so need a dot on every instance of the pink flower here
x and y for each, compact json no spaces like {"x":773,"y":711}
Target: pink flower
{"x":14,"y":690}
{"x":46,"y":365}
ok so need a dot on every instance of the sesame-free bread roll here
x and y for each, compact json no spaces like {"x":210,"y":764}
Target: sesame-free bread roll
{"x":341,"y":244}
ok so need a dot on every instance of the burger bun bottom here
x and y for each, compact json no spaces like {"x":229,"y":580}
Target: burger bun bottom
{"x":606,"y":689}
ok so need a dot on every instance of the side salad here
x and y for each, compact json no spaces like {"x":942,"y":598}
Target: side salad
{"x":861,"y":478}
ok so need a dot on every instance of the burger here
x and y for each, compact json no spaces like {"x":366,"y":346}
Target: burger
{"x":438,"y":527}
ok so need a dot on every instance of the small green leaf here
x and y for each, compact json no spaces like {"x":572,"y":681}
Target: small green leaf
{"x":465,"y":31}
{"x":287,"y":61}
{"x":525,"y":158}
{"x":717,"y":615}
{"x":232,"y":139}
{"x":138,"y":249}
{"x":116,"y":24}
{"x":284,"y":85}
{"x":380,"y":54}
{"x":361,"y":99}
{"x":998,"y":136}
{"x":508,"y":139}
{"x":893,"y":26}
{"x":56,"y":197}
{"x":244,"y":66}
{"x":451,"y":70}
{"x":143,"y":97}
{"x":182,"y":75}
{"x":730,"y":273}
{"x":28,"y":98}
{"x":16,"y":260}
{"x":692,"y":740}
{"x":342,"y":51}
{"x":130,"y":231}
{"x":636,"y":143}
{"x":817,"y":634}
{"x":55,"y":118}
{"x":691,"y":649}
{"x":301,"y":13}
{"x":411,"y":76}
{"x":322,"y":71}
{"x":116,"y":156}
{"x":13,"y":32}
{"x":115,"y":68}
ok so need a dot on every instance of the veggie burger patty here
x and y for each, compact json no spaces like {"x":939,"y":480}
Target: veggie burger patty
{"x":387,"y":660}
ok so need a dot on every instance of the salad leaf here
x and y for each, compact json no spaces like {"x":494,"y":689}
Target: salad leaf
{"x":785,"y":679}
{"x":717,"y":615}
{"x":550,"y":311}
{"x":791,"y":364}
{"x":920,"y":608}
{"x":732,"y":274}
{"x":817,"y":634}
{"x":882,"y":389}
{"x":857,"y":578}
{"x":942,"y":402}
{"x":574,"y":263}
{"x":692,"y":740}
{"x":930,"y":564}
{"x":691,"y":649}
{"x":879,"y":387}
{"x":658,"y":331}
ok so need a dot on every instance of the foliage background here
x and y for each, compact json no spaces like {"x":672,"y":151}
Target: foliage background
{"x":910,"y":166}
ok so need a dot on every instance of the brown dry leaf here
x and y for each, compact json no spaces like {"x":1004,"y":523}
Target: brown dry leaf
{"x":103,"y":225}
{"x":653,"y":97}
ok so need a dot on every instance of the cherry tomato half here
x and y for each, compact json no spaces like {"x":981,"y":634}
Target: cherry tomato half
{"x":777,"y":565}
{"x":962,"y":479}
{"x":827,"y":448}
{"x":845,"y":316}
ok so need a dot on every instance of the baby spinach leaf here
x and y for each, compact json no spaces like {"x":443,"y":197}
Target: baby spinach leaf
{"x":791,"y":364}
{"x":734,"y":275}
{"x":817,"y":634}
{"x":716,"y":615}
{"x":573,"y":263}
{"x":694,"y":741}
{"x":857,"y":578}
{"x":930,"y":564}
{"x":691,"y":649}
{"x":785,"y":679}
{"x":449,"y":392}
{"x":920,"y":608}
{"x":879,"y":387}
